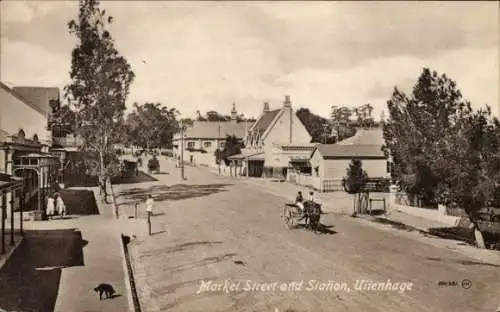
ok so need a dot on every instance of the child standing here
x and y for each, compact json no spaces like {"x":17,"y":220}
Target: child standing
{"x":61,"y":207}
{"x":50,"y":207}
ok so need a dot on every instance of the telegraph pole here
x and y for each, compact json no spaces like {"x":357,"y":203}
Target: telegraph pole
{"x":218,"y":147}
{"x":182,"y":151}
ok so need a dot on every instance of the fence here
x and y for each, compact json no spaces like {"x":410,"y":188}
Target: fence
{"x":331,"y":185}
{"x":317,"y":183}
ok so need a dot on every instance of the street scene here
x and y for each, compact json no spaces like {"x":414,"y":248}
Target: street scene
{"x":249,"y":156}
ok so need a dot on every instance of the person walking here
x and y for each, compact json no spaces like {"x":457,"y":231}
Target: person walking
{"x":50,"y":207}
{"x":149,"y":205}
{"x":60,"y":206}
{"x":149,"y":210}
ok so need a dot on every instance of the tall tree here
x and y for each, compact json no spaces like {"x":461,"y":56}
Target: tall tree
{"x":341,"y":123}
{"x":443,"y":151}
{"x":100,"y":81}
{"x":416,"y":124}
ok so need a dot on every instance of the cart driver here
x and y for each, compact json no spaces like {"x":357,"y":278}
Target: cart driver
{"x":299,"y":201}
{"x":311,"y":197}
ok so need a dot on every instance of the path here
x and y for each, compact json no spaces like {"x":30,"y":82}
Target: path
{"x":61,"y":261}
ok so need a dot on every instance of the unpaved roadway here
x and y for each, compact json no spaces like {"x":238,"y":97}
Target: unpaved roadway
{"x":227,"y":236}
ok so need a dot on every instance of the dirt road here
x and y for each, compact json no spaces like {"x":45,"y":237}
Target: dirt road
{"x":220,"y":245}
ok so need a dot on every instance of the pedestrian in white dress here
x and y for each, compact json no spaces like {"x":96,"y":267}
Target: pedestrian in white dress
{"x":149,"y":205}
{"x":61,"y":207}
{"x":50,"y":207}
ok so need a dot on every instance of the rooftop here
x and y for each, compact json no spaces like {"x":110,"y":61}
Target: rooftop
{"x":349,"y":151}
{"x":265,"y":120}
{"x":38,"y":96}
{"x":210,"y":129}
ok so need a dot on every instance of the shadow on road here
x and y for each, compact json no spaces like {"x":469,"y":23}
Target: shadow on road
{"x":396,"y":224}
{"x":142,"y":177}
{"x":464,"y":262}
{"x":79,"y":202}
{"x":203,"y":262}
{"x":29,"y":281}
{"x":180,"y":247}
{"x":174,"y":192}
{"x":322,"y":229}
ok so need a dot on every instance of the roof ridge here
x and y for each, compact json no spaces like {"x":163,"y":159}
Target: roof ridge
{"x":21,"y":98}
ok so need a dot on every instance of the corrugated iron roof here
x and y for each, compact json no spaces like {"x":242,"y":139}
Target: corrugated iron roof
{"x":20,"y":98}
{"x":39,"y":96}
{"x":349,"y":151}
{"x":265,"y":121}
{"x":210,"y":129}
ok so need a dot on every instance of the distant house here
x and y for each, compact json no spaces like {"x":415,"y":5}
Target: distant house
{"x":330,"y":161}
{"x":276,"y":142}
{"x":203,"y":138}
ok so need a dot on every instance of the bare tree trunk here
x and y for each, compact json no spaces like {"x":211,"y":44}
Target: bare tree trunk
{"x":102,"y":176}
{"x":478,"y":235}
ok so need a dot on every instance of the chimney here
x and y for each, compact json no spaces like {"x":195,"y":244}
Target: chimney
{"x":287,"y":103}
{"x":266,"y":107}
{"x":234,"y":113}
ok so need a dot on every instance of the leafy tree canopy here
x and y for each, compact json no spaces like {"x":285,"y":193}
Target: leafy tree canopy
{"x":152,"y":125}
{"x":232,"y":146}
{"x":443,"y":151}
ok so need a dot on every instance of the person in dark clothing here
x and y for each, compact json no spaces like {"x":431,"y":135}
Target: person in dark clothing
{"x":299,"y":201}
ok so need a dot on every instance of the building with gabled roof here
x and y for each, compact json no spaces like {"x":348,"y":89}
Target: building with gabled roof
{"x":330,"y":161}
{"x":276,"y":142}
{"x":203,"y":138}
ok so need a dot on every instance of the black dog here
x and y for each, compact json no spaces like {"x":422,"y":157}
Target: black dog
{"x":105,"y":289}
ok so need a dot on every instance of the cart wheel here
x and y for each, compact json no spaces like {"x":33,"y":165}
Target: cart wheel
{"x":287,"y":215}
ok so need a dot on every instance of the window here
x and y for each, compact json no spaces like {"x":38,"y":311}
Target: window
{"x":207,"y":144}
{"x":388,"y":167}
{"x":190,"y":144}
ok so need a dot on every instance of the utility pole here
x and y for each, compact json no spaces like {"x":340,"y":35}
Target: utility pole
{"x":325,"y":132}
{"x":182,"y":150}
{"x":220,"y":151}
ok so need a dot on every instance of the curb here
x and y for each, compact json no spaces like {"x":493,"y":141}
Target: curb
{"x":9,"y":254}
{"x":132,"y":298}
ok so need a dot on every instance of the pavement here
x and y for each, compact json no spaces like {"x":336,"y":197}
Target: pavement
{"x":219,"y":244}
{"x":60,"y":262}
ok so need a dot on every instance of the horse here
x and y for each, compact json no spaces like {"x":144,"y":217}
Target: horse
{"x":312,"y":215}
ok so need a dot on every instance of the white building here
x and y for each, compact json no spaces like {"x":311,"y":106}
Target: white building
{"x":203,"y":138}
{"x":276,"y":142}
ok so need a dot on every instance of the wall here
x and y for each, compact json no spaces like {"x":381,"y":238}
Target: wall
{"x":429,"y":214}
{"x":337,"y":168}
{"x":280,"y":133}
{"x":318,"y":161}
{"x":15,"y":115}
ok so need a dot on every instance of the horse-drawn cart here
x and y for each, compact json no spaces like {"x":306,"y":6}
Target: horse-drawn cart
{"x":311,"y":214}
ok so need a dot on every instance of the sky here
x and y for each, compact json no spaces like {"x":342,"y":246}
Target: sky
{"x":206,"y":55}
